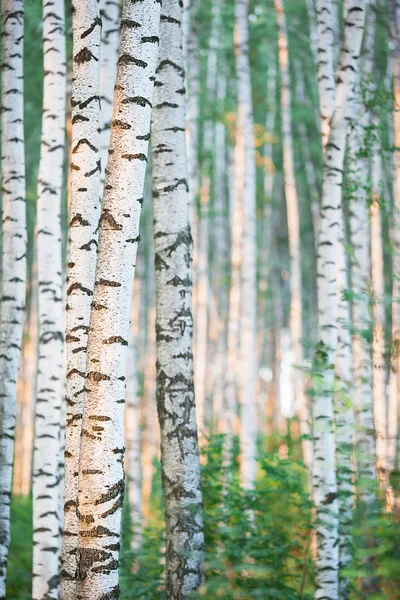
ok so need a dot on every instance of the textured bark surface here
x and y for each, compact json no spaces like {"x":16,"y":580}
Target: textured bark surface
{"x":324,"y":477}
{"x":50,"y":389}
{"x":84,"y":216}
{"x":174,"y":324}
{"x":13,"y":252}
{"x":101,"y":470}
{"x":110,"y":16}
{"x":344,"y":415}
{"x":293,"y":219}
{"x":245,"y":171}
{"x":326,"y":27}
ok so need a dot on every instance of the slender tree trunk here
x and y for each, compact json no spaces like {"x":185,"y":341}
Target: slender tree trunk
{"x":46,"y":456}
{"x":101,"y":471}
{"x":378,"y":311}
{"x":344,"y":415}
{"x":22,"y":484}
{"x":13,"y":252}
{"x":175,"y":384}
{"x":292,"y":209}
{"x":324,"y":477}
{"x":248,"y":311}
{"x":84,"y":216}
{"x":326,"y":28}
{"x":394,"y":397}
{"x":132,"y":429}
{"x":110,"y":15}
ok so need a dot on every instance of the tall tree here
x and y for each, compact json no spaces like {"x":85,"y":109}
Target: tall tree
{"x":327,"y":25}
{"x":324,"y":477}
{"x":246,"y":176}
{"x":84,"y":215}
{"x":110,"y":15}
{"x":293,"y":219}
{"x":50,"y":396}
{"x":13,"y":251}
{"x":175,"y":384}
{"x":101,"y":470}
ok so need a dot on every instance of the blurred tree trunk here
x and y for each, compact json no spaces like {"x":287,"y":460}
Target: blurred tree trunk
{"x":101,"y":468}
{"x":50,"y":388}
{"x":132,"y":425}
{"x":14,"y":243}
{"x":324,"y":476}
{"x":175,"y":383}
{"x":83,"y":222}
{"x":22,"y":478}
{"x":394,"y":385}
{"x":293,"y":219}
{"x":110,"y":16}
{"x":246,"y":179}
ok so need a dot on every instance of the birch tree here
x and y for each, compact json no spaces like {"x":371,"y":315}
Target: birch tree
{"x":324,"y":478}
{"x":175,"y":385}
{"x":326,"y":27}
{"x":101,"y":471}
{"x":13,"y":252}
{"x":293,"y":219}
{"x":245,"y":172}
{"x":46,"y":455}
{"x":84,"y":216}
{"x":110,"y":15}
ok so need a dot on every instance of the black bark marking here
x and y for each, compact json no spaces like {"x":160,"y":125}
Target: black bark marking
{"x":139,"y":156}
{"x":95,"y":23}
{"x":116,"y":339}
{"x":127,"y":59}
{"x":140,"y":100}
{"x":81,"y":143}
{"x":79,"y":287}
{"x":106,"y":217}
{"x":108,"y":283}
{"x":84,"y":56}
{"x":97,"y":376}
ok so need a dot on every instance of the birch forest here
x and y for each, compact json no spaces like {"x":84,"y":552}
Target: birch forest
{"x":200,"y":300}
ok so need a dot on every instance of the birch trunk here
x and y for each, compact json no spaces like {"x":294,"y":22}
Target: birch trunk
{"x":22,"y":483}
{"x":110,"y":15}
{"x":46,"y":455}
{"x":324,"y":477}
{"x":101,"y":471}
{"x":326,"y":63}
{"x":132,"y":430}
{"x":175,"y":384}
{"x":204,"y":401}
{"x":344,"y":415}
{"x":394,"y":398}
{"x":84,"y":216}
{"x":13,"y":252}
{"x":378,"y":312}
{"x":248,"y":312}
{"x":293,"y":218}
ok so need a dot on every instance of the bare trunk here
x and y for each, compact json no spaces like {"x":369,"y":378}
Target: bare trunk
{"x":50,"y":388}
{"x":13,"y":252}
{"x":174,"y":324}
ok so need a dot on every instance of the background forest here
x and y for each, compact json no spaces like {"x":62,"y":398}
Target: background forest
{"x":295,"y":361}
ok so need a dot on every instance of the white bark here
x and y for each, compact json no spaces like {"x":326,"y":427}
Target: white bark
{"x":324,"y":476}
{"x":245,"y":170}
{"x":110,"y":15}
{"x":101,"y":472}
{"x":293,"y":219}
{"x":84,"y":215}
{"x":344,"y":414}
{"x":132,"y":429}
{"x":203,"y":401}
{"x":175,"y":384}
{"x":14,"y":240}
{"x":50,"y":396}
{"x":326,"y":63}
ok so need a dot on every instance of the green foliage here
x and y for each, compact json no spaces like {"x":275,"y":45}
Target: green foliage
{"x":19,"y":572}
